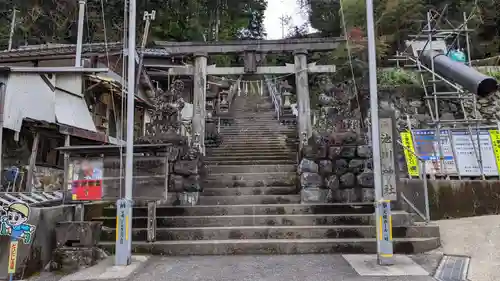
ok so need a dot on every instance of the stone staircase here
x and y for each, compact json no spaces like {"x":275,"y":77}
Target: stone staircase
{"x":251,"y":203}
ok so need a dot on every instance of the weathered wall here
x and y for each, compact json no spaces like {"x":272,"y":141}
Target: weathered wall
{"x":32,"y":258}
{"x":454,"y":198}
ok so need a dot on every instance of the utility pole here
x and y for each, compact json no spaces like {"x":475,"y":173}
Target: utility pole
{"x":79,"y":38}
{"x":123,"y":253}
{"x":148,"y":17}
{"x":12,"y":28}
{"x":382,"y":207}
{"x":285,"y":22}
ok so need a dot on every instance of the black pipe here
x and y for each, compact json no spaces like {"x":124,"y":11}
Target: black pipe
{"x":467,"y":77}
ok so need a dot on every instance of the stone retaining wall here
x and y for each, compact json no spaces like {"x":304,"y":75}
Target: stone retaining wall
{"x":454,"y":198}
{"x":336,"y":167}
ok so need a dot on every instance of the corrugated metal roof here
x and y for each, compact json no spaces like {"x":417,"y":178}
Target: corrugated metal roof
{"x":58,"y":49}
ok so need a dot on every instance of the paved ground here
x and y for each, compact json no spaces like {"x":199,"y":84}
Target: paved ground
{"x":477,"y":237}
{"x":259,"y":268}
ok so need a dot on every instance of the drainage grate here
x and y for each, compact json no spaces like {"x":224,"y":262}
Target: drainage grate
{"x":453,"y":268}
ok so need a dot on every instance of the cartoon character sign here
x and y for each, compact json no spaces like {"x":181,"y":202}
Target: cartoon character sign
{"x":13,"y":222}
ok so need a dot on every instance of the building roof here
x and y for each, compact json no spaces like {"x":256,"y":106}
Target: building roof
{"x":56,"y":50}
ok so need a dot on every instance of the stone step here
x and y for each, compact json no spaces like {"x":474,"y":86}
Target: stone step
{"x":262,"y":146}
{"x":277,"y":209}
{"x":276,"y":246}
{"x":254,"y":156}
{"x":255,"y":190}
{"x":262,"y":178}
{"x":225,"y":151}
{"x":274,"y":232}
{"x":257,"y":142}
{"x":249,"y":199}
{"x":398,"y":219}
{"x":252,"y":162}
{"x":250,"y":169}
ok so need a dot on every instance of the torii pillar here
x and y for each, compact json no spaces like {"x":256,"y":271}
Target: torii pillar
{"x":199,"y":98}
{"x":303,"y":99}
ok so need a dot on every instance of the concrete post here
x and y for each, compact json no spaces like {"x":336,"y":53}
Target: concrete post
{"x":303,"y":100}
{"x":199,"y":97}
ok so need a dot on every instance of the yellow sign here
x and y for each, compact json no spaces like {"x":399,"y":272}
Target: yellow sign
{"x":411,"y":159}
{"x":495,"y":143}
{"x":13,"y":256}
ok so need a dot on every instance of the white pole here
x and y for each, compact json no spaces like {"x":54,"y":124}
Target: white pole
{"x":79,"y":38}
{"x":12,"y":27}
{"x":377,"y":169}
{"x":130,"y":100}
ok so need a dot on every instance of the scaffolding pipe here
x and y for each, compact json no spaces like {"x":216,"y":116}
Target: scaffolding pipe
{"x":469,"y":78}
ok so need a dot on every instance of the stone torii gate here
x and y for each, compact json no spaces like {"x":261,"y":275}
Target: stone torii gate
{"x":253,"y":51}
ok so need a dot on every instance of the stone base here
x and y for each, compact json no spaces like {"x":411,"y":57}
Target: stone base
{"x":366,"y":265}
{"x":189,"y":198}
{"x":70,"y":259}
{"x":315,"y":195}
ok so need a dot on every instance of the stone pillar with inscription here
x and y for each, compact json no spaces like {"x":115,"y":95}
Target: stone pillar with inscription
{"x":199,"y":98}
{"x":303,"y":99}
{"x":390,"y":171}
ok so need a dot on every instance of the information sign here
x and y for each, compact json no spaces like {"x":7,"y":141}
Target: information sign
{"x":467,"y":160}
{"x":86,"y":179}
{"x":427,"y":148}
{"x":409,"y":152}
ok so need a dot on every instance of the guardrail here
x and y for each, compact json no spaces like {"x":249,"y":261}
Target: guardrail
{"x":36,"y":198}
{"x":275,"y":96}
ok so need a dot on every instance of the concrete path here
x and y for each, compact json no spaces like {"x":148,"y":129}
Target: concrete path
{"x":258,"y":268}
{"x":477,"y":237}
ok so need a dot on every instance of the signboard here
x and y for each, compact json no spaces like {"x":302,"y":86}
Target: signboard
{"x":459,"y":156}
{"x":13,"y":223}
{"x":385,"y":231}
{"x":495,"y":144}
{"x":409,"y":152}
{"x":14,"y":245}
{"x":123,"y":227}
{"x":387,"y":159}
{"x":467,"y":160}
{"x":426,"y":146}
{"x":86,"y":179}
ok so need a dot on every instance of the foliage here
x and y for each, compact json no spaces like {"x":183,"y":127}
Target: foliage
{"x":397,"y":77}
{"x":55,"y":21}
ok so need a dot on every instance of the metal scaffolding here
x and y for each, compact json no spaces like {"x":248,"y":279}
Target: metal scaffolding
{"x":433,"y":38}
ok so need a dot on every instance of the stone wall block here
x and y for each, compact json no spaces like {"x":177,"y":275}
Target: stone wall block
{"x":340,"y":166}
{"x":348,"y":152}
{"x":347,"y":180}
{"x":310,"y":180}
{"x":366,"y":179}
{"x":307,"y":166}
{"x":364,"y":151}
{"x":367,"y":194}
{"x":325,"y":167}
{"x":334,"y":152}
{"x":356,"y":165}
{"x":346,"y":195}
{"x":332,"y":182}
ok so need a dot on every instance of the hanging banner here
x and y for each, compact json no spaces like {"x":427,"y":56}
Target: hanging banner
{"x":409,"y":152}
{"x":86,"y":180}
{"x":427,"y":148}
{"x":467,"y":150}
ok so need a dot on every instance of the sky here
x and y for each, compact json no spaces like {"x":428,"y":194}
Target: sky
{"x":277,"y":8}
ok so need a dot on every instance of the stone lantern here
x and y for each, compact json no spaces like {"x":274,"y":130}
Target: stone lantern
{"x":286,"y":92}
{"x":223,"y":97}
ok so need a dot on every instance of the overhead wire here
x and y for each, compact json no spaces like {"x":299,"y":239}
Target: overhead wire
{"x":349,"y":56}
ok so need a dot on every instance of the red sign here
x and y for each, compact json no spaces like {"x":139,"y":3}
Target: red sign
{"x":87,"y":190}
